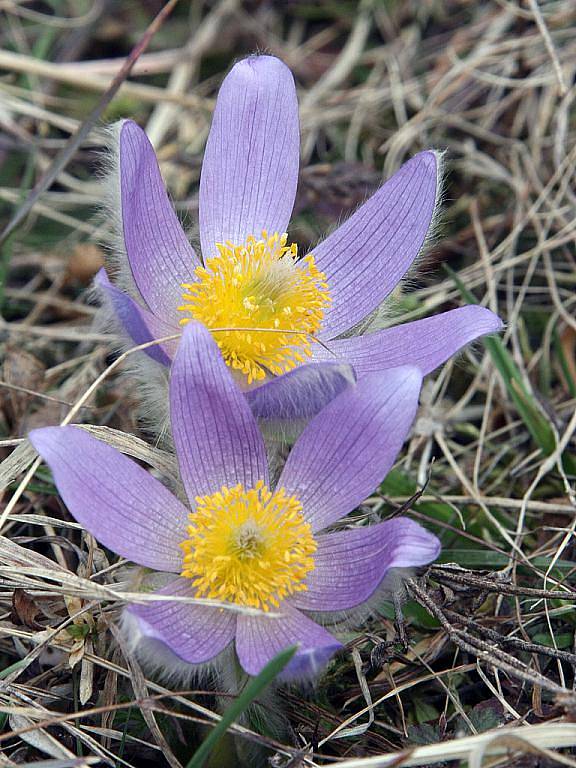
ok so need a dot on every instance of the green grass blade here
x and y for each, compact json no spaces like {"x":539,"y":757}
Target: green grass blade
{"x":253,"y":689}
{"x":486,"y":559}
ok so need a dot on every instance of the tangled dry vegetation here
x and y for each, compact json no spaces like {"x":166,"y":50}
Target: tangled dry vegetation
{"x":481,"y":657}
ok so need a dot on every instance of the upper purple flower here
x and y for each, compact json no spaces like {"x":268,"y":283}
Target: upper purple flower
{"x":251,"y":279}
{"x":240,"y":540}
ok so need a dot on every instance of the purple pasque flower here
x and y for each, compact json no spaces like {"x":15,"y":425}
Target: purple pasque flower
{"x":241,"y":540}
{"x":251,"y":279}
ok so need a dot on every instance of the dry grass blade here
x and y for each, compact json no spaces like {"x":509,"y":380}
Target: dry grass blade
{"x":537,"y":739}
{"x":75,"y":142}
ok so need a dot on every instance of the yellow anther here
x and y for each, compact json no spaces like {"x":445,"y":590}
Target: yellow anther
{"x":261,"y":289}
{"x":249,"y":547}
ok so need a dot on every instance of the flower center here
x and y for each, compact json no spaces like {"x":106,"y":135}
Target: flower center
{"x":275,"y":302}
{"x":248,"y":547}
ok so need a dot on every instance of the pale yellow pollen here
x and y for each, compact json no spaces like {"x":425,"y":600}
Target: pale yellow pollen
{"x":249,"y":547}
{"x":264,"y":305}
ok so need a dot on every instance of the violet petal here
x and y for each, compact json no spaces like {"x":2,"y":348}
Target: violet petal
{"x":365,"y":258}
{"x":301,"y":393}
{"x":140,"y":324}
{"x":115,"y":499}
{"x":348,"y":448}
{"x":195,"y":633}
{"x":260,"y":638}
{"x":424,"y":343}
{"x":250,"y":167}
{"x":217,"y":440}
{"x":350,"y":565}
{"x":160,"y":256}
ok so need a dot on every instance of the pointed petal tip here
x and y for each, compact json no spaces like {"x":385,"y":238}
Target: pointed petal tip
{"x":131,"y":129}
{"x":308,"y":663}
{"x":383,"y":237}
{"x":101,"y":278}
{"x":428,"y":161}
{"x":116,"y":500}
{"x":254,"y":136}
{"x":135,"y":151}
{"x":268,"y":71}
{"x":480,"y":320}
{"x":427,"y":546}
{"x":133,"y":143}
{"x":490,"y":320}
{"x":259,"y":63}
{"x":159,"y":253}
{"x":428,"y":157}
{"x":414,"y":545}
{"x":43,"y":439}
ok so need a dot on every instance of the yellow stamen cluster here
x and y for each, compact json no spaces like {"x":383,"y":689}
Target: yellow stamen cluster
{"x":275,"y":302}
{"x":249,"y":547}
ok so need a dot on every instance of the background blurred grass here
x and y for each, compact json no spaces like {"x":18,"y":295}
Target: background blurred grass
{"x":492,"y":83}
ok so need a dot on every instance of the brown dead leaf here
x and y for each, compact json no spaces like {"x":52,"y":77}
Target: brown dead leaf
{"x":23,"y":375}
{"x":85,"y":260}
{"x":25,"y":610}
{"x":568,"y":342}
{"x":49,"y":414}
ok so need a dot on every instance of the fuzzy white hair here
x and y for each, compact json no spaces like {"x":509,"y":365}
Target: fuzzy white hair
{"x":150,"y":376}
{"x":111,"y":213}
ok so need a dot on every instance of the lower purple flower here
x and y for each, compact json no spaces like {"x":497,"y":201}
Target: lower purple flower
{"x":242,"y":541}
